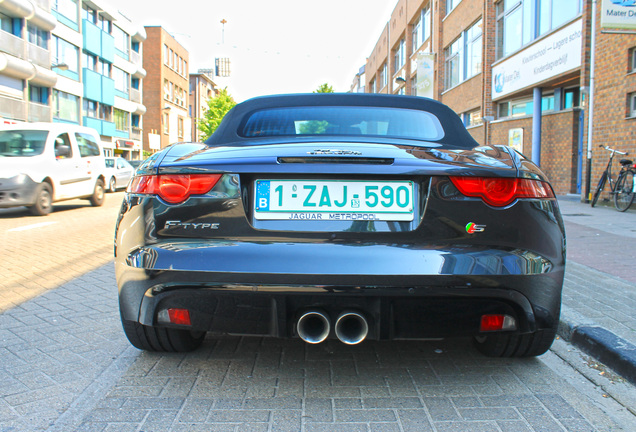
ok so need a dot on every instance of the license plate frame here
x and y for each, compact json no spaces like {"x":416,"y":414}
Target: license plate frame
{"x":324,"y":200}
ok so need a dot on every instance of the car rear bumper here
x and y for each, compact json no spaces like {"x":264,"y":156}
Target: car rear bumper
{"x":404,"y":292}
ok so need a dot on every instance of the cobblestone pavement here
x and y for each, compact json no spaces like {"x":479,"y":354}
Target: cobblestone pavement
{"x":65,"y":364}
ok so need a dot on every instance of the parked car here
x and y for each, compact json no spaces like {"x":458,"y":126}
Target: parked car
{"x":118,"y":172}
{"x":43,"y":163}
{"x":348,"y":216}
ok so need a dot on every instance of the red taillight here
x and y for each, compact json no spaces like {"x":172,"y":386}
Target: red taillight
{"x":174,"y":188}
{"x":497,"y":322}
{"x":499,"y":191}
{"x":179,"y":316}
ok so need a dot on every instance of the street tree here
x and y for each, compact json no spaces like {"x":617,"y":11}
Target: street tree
{"x":324,"y":88}
{"x":218,"y":106}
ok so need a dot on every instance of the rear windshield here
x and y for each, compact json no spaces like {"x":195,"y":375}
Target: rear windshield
{"x":343,"y":121}
{"x":22,"y":143}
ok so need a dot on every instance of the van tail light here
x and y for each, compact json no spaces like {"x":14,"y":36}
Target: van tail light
{"x":500,"y":191}
{"x":174,"y":188}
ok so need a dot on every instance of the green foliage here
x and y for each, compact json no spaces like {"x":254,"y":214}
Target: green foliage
{"x":313,"y":127}
{"x":324,"y":88}
{"x":217,"y":108}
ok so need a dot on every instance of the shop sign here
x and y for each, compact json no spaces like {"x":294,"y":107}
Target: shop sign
{"x":618,"y":14}
{"x":123,"y":144}
{"x":515,"y":139}
{"x":154,"y":141}
{"x":554,"y":55}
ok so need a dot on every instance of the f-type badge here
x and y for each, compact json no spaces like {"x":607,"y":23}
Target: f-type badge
{"x":190,"y":225}
{"x":474,"y":228}
{"x":335,"y":152}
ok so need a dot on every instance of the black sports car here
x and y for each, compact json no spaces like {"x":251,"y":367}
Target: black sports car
{"x":349,"y":216}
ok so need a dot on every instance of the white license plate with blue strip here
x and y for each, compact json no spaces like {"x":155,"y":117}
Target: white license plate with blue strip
{"x":334,"y":200}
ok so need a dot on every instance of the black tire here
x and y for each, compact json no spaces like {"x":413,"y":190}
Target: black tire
{"x":112,"y":185}
{"x":161,"y":339}
{"x":99,"y":194}
{"x":599,"y":188}
{"x":624,"y":194}
{"x":515,"y":345}
{"x":43,"y":200}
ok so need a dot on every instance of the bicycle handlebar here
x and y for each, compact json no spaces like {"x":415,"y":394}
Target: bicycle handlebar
{"x":608,"y":148}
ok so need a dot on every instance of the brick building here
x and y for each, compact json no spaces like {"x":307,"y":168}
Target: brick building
{"x":202,"y":88}
{"x":518,"y":73}
{"x":166,"y":91}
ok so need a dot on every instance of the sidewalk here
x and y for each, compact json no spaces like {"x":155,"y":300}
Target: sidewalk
{"x":599,"y":293}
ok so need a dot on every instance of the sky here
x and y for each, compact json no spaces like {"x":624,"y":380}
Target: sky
{"x":275,"y":46}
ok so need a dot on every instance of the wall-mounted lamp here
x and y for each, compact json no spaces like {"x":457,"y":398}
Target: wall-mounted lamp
{"x":61,"y":66}
{"x":167,"y":108}
{"x":399,"y":80}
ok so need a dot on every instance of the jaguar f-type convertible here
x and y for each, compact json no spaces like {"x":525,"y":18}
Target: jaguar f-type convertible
{"x":340,"y":216}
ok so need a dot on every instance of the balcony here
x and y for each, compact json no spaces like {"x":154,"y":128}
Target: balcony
{"x":39,"y":112}
{"x":135,"y":57}
{"x":44,"y":4}
{"x":14,"y":109}
{"x":135,"y":95}
{"x":135,"y":133}
{"x":38,"y":55}
{"x":12,"y":44}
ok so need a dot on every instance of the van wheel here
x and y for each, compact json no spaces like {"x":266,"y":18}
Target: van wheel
{"x":111,"y":185}
{"x":43,"y":200}
{"x":98,"y":194}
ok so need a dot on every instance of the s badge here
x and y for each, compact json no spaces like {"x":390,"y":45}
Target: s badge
{"x":474,"y":228}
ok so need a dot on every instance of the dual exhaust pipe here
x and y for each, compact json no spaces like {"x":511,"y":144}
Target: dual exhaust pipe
{"x":314,"y":327}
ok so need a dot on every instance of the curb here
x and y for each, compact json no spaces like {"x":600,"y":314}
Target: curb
{"x":608,"y":348}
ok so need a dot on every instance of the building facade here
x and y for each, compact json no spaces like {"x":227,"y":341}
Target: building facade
{"x":518,"y":73}
{"x":96,"y":53}
{"x":202,"y":88}
{"x":26,"y":78}
{"x":166,"y":98}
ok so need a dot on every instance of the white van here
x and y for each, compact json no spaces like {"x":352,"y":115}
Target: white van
{"x":41,"y":163}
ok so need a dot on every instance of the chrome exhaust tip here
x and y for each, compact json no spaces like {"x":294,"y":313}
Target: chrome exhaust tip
{"x":313,"y":327}
{"x":351,"y":327}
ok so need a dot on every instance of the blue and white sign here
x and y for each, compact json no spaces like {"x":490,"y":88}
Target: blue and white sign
{"x":618,"y":14}
{"x":556,"y":54}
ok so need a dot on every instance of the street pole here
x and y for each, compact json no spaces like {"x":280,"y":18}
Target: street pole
{"x":588,"y":174}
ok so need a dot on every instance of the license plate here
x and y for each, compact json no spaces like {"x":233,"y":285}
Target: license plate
{"x":334,"y":200}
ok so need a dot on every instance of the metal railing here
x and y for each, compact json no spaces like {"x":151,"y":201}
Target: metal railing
{"x":135,"y":95}
{"x":39,"y":112}
{"x":15,"y":109}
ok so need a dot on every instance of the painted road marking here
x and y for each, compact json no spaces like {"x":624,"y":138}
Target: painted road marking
{"x":28,"y":227}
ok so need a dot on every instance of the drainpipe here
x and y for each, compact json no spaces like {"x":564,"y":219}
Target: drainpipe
{"x":536,"y":126}
{"x":588,"y":174}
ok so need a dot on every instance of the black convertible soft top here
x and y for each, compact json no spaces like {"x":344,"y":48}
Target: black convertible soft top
{"x":231,"y":129}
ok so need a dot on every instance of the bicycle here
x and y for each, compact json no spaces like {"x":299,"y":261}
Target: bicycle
{"x":623,"y":188}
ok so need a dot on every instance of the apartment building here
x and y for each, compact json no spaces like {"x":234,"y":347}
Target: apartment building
{"x":96,"y":53}
{"x":202,"y":88}
{"x":166,"y":97}
{"x":26,"y":78}
{"x":518,"y":73}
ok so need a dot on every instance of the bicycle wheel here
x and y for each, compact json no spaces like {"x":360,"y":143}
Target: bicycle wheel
{"x":624,"y":193}
{"x":599,"y":188}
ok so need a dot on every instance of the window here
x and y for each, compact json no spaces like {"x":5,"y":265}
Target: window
{"x":463,"y":56}
{"x":90,"y":62}
{"x":383,"y":79}
{"x":632,"y":60}
{"x":416,"y":35}
{"x":519,"y":22}
{"x":89,"y":14}
{"x":180,"y":127}
{"x":524,"y":107}
{"x":10,"y":25}
{"x":166,"y":123}
{"x":106,"y":112}
{"x":372,"y":86}
{"x":166,"y":55}
{"x":122,"y":80}
{"x":122,"y":42}
{"x":451,"y":4}
{"x":166,"y":90}
{"x":37,"y":36}
{"x":631,"y":98}
{"x":39,"y":94}
{"x":65,"y":106}
{"x":87,"y":145}
{"x":472,"y":118}
{"x":122,"y":120}
{"x":66,"y":8}
{"x":65,"y":52}
{"x":571,"y":98}
{"x":105,"y":68}
{"x":105,"y":24}
{"x":399,"y":55}
{"x":89,"y":108}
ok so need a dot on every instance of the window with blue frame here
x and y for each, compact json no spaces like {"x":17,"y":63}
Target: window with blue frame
{"x":122,"y":120}
{"x":122,"y":80}
{"x":11,"y":25}
{"x":39,"y":94}
{"x":37,"y":36}
{"x":122,"y":40}
{"x":66,"y":53}
{"x":66,"y":12}
{"x":134,"y":83}
{"x":65,"y":106}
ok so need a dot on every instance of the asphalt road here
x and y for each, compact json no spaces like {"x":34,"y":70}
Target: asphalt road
{"x":66,"y":365}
